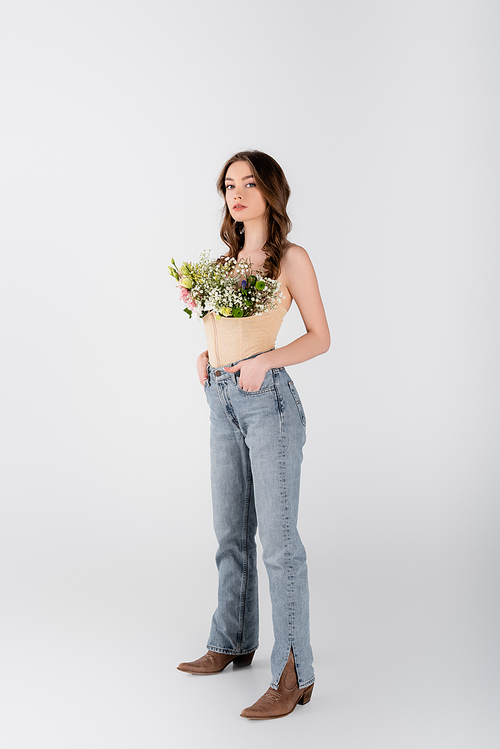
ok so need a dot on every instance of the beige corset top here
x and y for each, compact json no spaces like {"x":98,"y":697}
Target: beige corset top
{"x":232,"y":339}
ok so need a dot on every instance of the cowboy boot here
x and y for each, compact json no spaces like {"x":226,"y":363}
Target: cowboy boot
{"x":214,"y":663}
{"x":276,"y":703}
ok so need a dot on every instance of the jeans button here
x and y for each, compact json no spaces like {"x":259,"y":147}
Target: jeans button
{"x":218,"y":373}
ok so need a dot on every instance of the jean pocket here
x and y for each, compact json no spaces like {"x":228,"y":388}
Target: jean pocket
{"x":298,"y":402}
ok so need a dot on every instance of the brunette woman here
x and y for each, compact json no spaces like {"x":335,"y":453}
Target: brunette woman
{"x":257,"y":434}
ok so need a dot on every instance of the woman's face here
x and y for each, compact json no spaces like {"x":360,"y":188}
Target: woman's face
{"x":244,"y":199}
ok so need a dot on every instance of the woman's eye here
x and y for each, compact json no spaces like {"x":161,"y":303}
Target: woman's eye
{"x":248,"y":184}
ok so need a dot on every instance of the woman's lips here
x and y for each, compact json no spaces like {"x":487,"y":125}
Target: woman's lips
{"x":238,"y":207}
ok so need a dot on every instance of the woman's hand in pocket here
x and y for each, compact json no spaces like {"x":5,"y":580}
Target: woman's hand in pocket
{"x":252,"y":373}
{"x":201,"y":367}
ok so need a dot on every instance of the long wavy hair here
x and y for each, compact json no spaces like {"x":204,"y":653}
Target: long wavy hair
{"x":271,"y":181}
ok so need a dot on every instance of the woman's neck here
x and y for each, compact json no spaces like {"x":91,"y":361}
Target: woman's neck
{"x":255,"y":237}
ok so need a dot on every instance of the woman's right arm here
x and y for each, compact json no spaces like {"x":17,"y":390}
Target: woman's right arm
{"x":201,"y":367}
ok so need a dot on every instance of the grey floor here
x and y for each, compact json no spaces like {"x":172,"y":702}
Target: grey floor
{"x":405,"y":658}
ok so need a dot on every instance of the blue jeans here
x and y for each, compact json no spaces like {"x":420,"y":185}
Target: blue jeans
{"x":256,"y":441}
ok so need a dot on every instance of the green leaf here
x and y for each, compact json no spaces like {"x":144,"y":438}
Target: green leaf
{"x":187,"y":311}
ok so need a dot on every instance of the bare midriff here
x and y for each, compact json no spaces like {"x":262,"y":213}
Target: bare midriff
{"x":231,"y":339}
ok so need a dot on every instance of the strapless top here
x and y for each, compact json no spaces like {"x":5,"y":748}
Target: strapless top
{"x":231,"y":339}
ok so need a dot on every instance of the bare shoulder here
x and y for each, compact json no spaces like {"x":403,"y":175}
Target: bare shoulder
{"x":293,"y":250}
{"x":295,"y":261}
{"x":298,"y":275}
{"x":294,"y":254}
{"x":301,"y":281}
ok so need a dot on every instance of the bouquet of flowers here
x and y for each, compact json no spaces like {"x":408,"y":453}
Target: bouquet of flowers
{"x":227,"y":287}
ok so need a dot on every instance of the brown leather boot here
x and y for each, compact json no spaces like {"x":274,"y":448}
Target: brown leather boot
{"x":214,"y":663}
{"x":276,"y":703}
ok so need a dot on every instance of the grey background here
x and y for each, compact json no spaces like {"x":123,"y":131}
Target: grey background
{"x":116,"y":117}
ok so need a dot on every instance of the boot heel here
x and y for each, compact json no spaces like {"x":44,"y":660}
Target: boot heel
{"x":243,"y":660}
{"x":306,"y":697}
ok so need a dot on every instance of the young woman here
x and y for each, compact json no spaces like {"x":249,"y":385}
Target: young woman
{"x":257,"y":433}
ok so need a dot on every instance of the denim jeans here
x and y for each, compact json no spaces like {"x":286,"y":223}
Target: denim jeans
{"x":256,"y":441}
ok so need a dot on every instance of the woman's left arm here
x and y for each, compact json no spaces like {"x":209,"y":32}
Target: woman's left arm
{"x":297,"y":274}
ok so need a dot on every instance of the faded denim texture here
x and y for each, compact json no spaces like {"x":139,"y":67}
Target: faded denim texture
{"x":256,"y":441}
